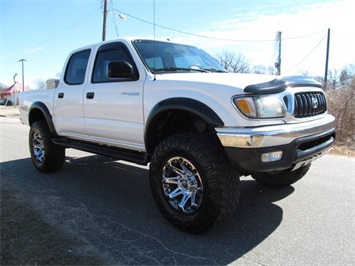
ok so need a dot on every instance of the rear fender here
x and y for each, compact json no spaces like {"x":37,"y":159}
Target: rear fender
{"x":39,"y":111}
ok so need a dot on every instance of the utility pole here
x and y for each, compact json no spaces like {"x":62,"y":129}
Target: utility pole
{"x":327,"y":61}
{"x":104,"y":21}
{"x":14,"y":89}
{"x":278,"y":63}
{"x":23,"y":74}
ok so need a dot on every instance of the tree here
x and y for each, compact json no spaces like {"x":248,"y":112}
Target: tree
{"x":236,"y":63}
{"x":40,"y":84}
{"x":338,"y":79}
{"x":320,"y":79}
{"x":333,"y":79}
{"x":3,"y":87}
{"x":347,"y":75}
{"x":260,"y":69}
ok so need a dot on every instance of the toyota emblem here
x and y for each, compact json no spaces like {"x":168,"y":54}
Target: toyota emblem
{"x":314,"y":102}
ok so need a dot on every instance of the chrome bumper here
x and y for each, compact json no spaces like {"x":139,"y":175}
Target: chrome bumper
{"x":269,"y":136}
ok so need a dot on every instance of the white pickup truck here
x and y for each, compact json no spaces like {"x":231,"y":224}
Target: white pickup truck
{"x":172,"y":106}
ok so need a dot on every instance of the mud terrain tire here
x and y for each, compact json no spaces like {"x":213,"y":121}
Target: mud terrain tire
{"x":192,"y":182}
{"x":46,"y":156}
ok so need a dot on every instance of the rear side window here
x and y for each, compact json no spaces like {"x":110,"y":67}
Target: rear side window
{"x":109,"y":53}
{"x":76,"y":68}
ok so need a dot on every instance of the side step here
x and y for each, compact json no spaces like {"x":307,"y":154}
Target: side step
{"x":141,"y":158}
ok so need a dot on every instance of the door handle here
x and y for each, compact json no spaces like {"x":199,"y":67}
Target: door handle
{"x":90,"y":95}
{"x":61,"y":95}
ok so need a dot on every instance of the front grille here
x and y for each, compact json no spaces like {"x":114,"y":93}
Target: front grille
{"x":308,"y":104}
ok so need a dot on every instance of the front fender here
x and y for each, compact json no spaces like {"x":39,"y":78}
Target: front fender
{"x":183,"y":104}
{"x":186,"y":104}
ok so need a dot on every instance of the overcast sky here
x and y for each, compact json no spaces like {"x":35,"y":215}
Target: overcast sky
{"x":43,"y":32}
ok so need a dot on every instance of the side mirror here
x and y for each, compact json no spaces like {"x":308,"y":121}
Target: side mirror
{"x":120,"y":69}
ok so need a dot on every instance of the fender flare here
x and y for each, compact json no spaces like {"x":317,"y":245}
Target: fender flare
{"x":184,"y":104}
{"x":44,"y":110}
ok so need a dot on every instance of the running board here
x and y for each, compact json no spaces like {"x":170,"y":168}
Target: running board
{"x":141,"y":158}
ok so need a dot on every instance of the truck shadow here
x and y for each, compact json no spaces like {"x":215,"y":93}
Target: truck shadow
{"x":109,"y":205}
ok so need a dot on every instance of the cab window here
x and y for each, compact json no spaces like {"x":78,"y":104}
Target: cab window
{"x":76,"y":68}
{"x":109,"y":53}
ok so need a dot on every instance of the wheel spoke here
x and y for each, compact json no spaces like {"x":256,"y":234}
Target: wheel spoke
{"x":37,"y":144}
{"x":171,"y":180}
{"x":178,"y":191}
{"x":176,"y":170}
{"x":194,"y":197}
{"x":184,"y":200}
{"x":39,"y":154}
{"x":184,"y":168}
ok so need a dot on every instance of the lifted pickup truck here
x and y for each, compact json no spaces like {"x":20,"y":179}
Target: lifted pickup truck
{"x":172,"y":106}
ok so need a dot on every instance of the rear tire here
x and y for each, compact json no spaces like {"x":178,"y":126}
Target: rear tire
{"x":46,"y":156}
{"x":282,"y":178}
{"x":192,"y":182}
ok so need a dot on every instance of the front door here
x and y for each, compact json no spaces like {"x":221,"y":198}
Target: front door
{"x":113,"y":107}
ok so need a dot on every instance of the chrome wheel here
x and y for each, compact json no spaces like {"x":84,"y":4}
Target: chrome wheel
{"x":182,"y":185}
{"x":38,"y":147}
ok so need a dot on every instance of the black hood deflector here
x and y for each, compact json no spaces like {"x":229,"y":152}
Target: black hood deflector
{"x":280,"y":84}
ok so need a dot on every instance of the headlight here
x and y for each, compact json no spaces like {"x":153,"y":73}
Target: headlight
{"x":261,"y":106}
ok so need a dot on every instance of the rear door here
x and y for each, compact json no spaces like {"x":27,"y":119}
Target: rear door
{"x":68,"y":99}
{"x":113,"y":107}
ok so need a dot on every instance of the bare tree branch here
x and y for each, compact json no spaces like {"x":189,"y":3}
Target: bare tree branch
{"x":40,"y":84}
{"x":236,"y":63}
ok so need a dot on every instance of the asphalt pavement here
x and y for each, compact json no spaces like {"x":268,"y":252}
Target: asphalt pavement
{"x":107,"y":204}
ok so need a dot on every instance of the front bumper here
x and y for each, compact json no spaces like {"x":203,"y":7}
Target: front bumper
{"x":300,"y":144}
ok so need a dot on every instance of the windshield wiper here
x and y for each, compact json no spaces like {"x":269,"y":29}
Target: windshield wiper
{"x":180,"y":69}
{"x":215,"y":70}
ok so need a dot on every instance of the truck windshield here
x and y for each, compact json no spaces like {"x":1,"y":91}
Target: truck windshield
{"x":165,"y":57}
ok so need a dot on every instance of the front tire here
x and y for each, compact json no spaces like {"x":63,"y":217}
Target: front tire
{"x":192,"y":182}
{"x":282,"y":178}
{"x":46,"y":156}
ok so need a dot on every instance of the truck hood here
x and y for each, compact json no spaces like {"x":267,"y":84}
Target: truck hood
{"x":250,"y":83}
{"x":228,"y":79}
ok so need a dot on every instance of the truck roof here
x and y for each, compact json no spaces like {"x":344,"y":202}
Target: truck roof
{"x":124,"y":39}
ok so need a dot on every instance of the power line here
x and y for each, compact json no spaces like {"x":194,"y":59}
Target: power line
{"x":306,"y":55}
{"x":40,"y":17}
{"x":209,"y":37}
{"x":56,"y":34}
{"x":187,"y":33}
{"x":114,"y":19}
{"x":304,"y":36}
